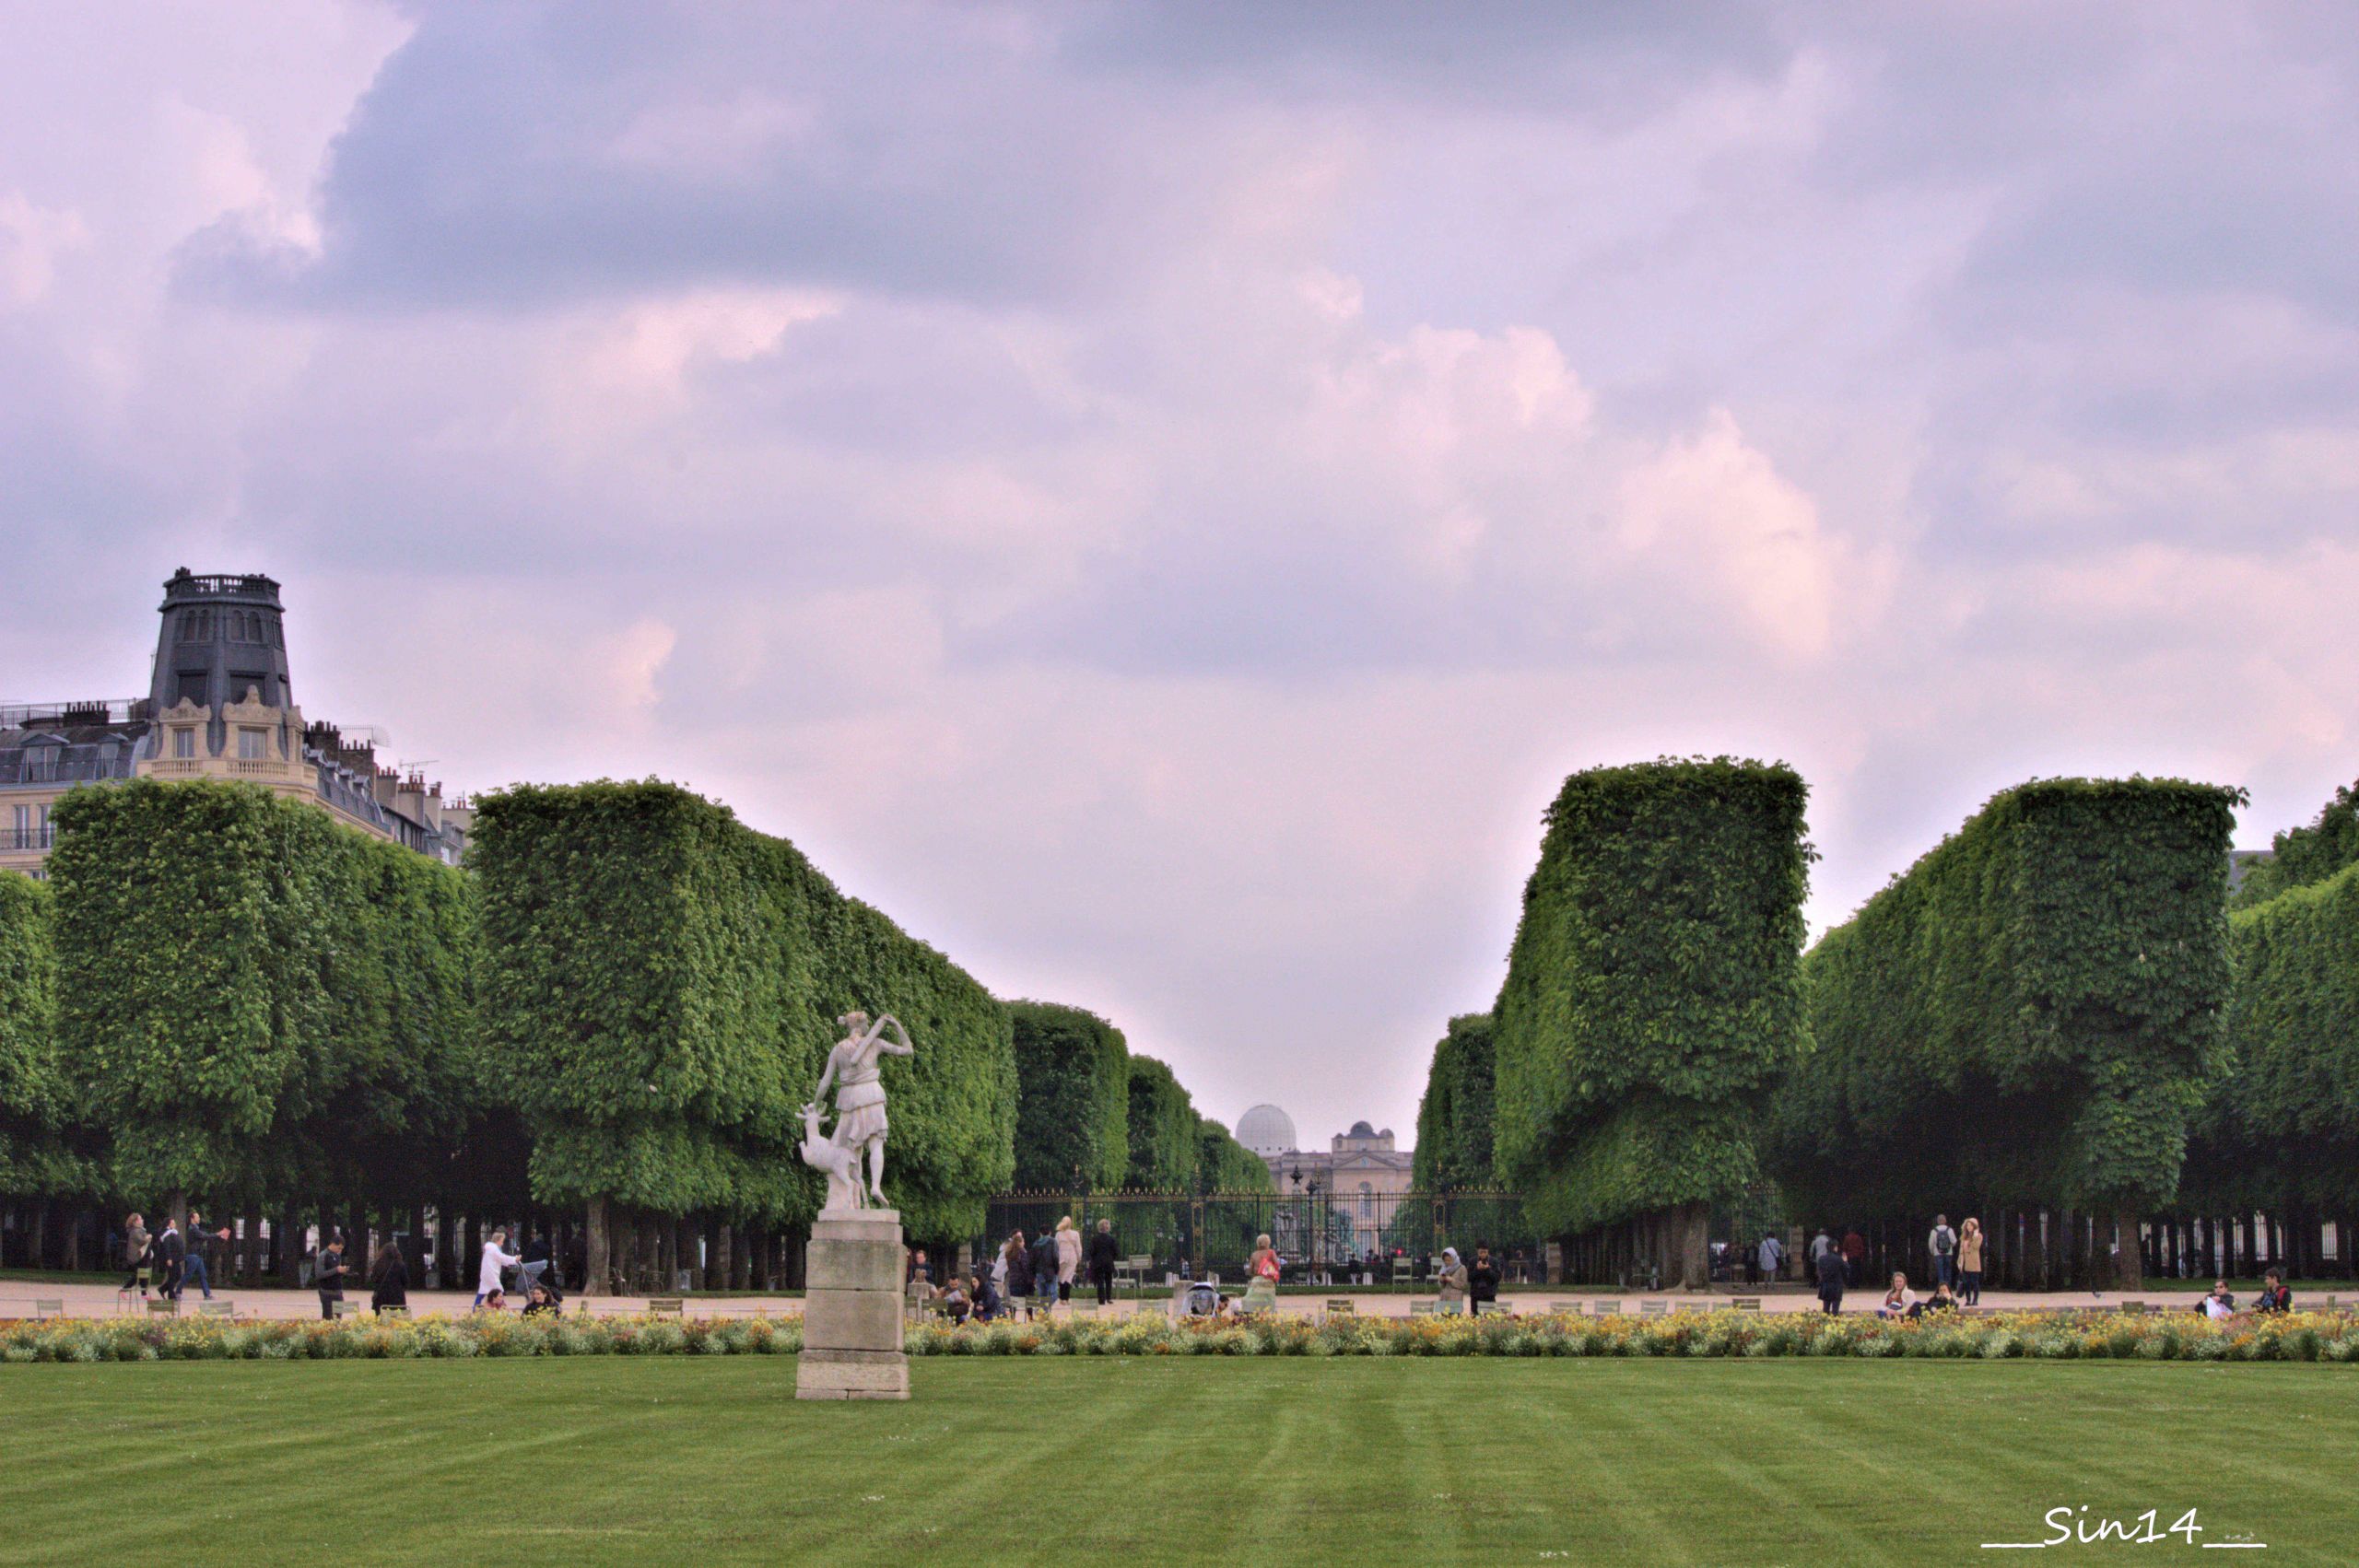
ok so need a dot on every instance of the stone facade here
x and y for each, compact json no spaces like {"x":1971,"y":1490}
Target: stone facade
{"x":220,"y":705}
{"x":1360,"y":1171}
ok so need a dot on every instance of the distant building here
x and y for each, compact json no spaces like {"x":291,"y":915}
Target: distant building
{"x":1360,"y":1173}
{"x":220,"y":705}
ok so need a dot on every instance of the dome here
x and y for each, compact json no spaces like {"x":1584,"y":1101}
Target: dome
{"x":1361,"y":1130}
{"x":1266,"y":1130}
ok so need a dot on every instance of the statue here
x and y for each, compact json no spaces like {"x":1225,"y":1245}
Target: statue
{"x":860,"y":1111}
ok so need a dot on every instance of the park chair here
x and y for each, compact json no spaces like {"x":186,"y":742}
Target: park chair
{"x":1745,"y":1303}
{"x":1566,"y":1308}
{"x":1654,"y":1309}
{"x":1404,"y":1270}
{"x":163,"y":1306}
{"x":1493,"y":1309}
{"x":666,"y":1306}
{"x":49,"y":1306}
{"x":1681,"y":1308}
{"x":1343,"y":1308}
{"x":1605,"y":1308}
{"x":217,"y":1309}
{"x":347,"y":1308}
{"x":1422,"y":1308}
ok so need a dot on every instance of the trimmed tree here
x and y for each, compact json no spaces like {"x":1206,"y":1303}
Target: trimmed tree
{"x":2030,"y":1014}
{"x":1454,"y":1132}
{"x":1073,"y":1086}
{"x":1225,"y":1166}
{"x":2303,"y":856}
{"x":35,"y":1159}
{"x":1652,"y":998}
{"x":1164,"y":1148}
{"x":661,"y":985}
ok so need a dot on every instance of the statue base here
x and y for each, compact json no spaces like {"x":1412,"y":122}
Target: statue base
{"x":851,"y":1308}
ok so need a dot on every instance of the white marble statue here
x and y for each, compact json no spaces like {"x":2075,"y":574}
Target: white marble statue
{"x":853,"y":1069}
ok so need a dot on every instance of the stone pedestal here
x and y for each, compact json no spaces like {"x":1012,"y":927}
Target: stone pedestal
{"x":851,"y":1308}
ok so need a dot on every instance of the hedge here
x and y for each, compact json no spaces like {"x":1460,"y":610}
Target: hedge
{"x":2030,"y":1014}
{"x":1072,"y":1088}
{"x":1164,"y":1148}
{"x":661,"y":985}
{"x":2284,"y":1131}
{"x":34,"y":1162}
{"x":1652,"y":994}
{"x":1225,"y":1166}
{"x":254,"y":1000}
{"x":2303,"y":856}
{"x":1454,"y":1135}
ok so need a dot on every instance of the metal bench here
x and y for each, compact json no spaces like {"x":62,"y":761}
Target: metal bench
{"x":666,"y":1306}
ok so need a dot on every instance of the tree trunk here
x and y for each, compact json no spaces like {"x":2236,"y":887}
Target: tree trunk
{"x":596,"y":1271}
{"x":2128,"y":1259}
{"x":1696,"y":1251}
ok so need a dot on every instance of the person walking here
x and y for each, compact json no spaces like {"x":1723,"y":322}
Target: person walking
{"x":1942,"y":1242}
{"x":134,"y":1255}
{"x":1831,"y":1275}
{"x":195,"y":1267}
{"x":1820,"y":1246}
{"x":171,"y":1255}
{"x":1771,"y":1256}
{"x":328,"y":1273}
{"x":1044,"y":1273}
{"x":1068,"y":1257}
{"x":496,"y":1257}
{"x":388,"y":1280}
{"x":1969,"y":1263}
{"x":1103,"y":1255}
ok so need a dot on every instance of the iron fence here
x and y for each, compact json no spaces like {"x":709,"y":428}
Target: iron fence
{"x":1321,"y":1238}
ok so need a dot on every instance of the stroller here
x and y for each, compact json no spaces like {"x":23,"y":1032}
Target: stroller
{"x":1200,"y":1299}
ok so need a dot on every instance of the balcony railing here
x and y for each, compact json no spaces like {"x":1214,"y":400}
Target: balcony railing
{"x":28,"y":840}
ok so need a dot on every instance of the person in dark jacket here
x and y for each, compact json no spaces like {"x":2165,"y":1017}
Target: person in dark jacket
{"x":1103,"y":1255}
{"x":328,"y":1275}
{"x":200,"y":1246}
{"x":2274,"y":1296}
{"x":1018,"y":1258}
{"x":388,"y":1280}
{"x":1044,"y":1273}
{"x":1831,"y":1274}
{"x":171,"y":1253}
{"x":536,"y":1257}
{"x":1482,"y":1279}
{"x":982,"y":1298}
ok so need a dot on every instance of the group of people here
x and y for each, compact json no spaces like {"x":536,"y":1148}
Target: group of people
{"x":1026,"y":1277}
{"x":168,"y":1262}
{"x":1958,"y":1258}
{"x":2273,"y":1297}
{"x":1464,"y":1287}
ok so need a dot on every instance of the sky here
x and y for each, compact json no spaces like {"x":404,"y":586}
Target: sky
{"x":1156,"y":498}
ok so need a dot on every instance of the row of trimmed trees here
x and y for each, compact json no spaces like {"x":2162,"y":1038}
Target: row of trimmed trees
{"x":606,"y":1027}
{"x":2050,"y":1020}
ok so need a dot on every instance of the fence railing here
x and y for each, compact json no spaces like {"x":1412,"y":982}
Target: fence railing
{"x":1325,"y":1238}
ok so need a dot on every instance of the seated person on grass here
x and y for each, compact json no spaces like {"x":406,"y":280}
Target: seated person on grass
{"x":2219,"y":1303}
{"x":984,"y":1301}
{"x":1945,"y":1299}
{"x":952,"y":1303}
{"x":494,"y":1300}
{"x":1899,"y":1301}
{"x":540,"y":1305}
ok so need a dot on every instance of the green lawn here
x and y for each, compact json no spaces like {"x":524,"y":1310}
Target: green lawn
{"x":616,"y":1460}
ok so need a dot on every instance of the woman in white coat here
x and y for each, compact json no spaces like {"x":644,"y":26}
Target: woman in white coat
{"x":1068,"y":1257}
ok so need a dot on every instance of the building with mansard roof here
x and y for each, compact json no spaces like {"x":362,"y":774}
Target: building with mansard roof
{"x":220,"y":704}
{"x":1360,"y":1173}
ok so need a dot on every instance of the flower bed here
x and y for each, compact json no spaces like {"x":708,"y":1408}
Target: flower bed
{"x":2043,"y":1336}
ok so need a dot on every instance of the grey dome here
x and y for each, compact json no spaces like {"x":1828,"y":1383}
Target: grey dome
{"x":1266,"y":1130}
{"x":1361,"y":1130}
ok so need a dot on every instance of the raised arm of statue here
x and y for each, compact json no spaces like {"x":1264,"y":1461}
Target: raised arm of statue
{"x":887,"y":1046}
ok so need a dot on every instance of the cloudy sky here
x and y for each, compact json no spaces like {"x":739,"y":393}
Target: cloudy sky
{"x":1155,"y":498}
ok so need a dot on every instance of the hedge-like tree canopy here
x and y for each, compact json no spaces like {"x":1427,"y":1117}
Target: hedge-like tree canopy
{"x":1225,"y":1166}
{"x":2282,"y":1127}
{"x":1454,"y":1137}
{"x":252,"y":995}
{"x":1164,"y":1145}
{"x":1073,"y":1085}
{"x":662,"y":985}
{"x":1652,"y":993}
{"x":2303,"y":856}
{"x":2030,"y":1014}
{"x":34,"y":1162}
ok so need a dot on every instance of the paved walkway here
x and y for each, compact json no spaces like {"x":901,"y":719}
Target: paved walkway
{"x":19,"y":1298}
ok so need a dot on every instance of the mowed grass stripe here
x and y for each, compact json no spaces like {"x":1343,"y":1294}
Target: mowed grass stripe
{"x":710,"y":1460}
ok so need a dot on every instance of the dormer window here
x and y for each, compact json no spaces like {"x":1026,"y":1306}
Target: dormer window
{"x":252,"y":745}
{"x":184,"y":740}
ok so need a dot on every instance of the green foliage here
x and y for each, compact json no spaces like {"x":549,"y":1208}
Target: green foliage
{"x":252,"y":995}
{"x":2283,"y":1127}
{"x":661,"y":985}
{"x":1073,"y":1079}
{"x":2030,"y":1014}
{"x":1652,"y":995}
{"x":2303,"y":856}
{"x":1454,"y":1135}
{"x":1164,"y":1148}
{"x":1225,"y":1166}
{"x":34,"y":1160}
